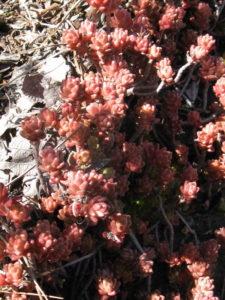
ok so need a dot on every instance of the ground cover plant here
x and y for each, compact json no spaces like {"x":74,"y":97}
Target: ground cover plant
{"x":130,"y":163}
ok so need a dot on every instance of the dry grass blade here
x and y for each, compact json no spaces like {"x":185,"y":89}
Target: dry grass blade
{"x":76,"y":261}
{"x":188,"y":226}
{"x":167,"y":221}
{"x":137,"y":244}
{"x":39,"y":290}
{"x":30,"y":294}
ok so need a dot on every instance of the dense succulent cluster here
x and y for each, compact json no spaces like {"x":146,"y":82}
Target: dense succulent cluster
{"x":140,"y":152}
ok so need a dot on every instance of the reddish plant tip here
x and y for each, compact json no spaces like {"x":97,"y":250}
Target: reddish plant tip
{"x":14,"y":273}
{"x":120,"y":224}
{"x":49,"y":117}
{"x":33,"y":129}
{"x":107,"y":284}
{"x":189,"y":191}
{"x":73,"y":39}
{"x":106,"y":6}
{"x":51,"y":162}
{"x":164,"y":70}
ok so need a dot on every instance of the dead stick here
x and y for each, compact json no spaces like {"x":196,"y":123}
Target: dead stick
{"x":70,"y":263}
{"x":44,"y":11}
{"x":38,"y":288}
{"x":29,"y":294}
{"x":181,"y":70}
{"x":188,"y":226}
{"x":136,"y":242}
{"x":167,"y":221}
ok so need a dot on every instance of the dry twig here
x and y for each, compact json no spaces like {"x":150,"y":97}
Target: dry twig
{"x":167,"y":221}
{"x":188,"y":226}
